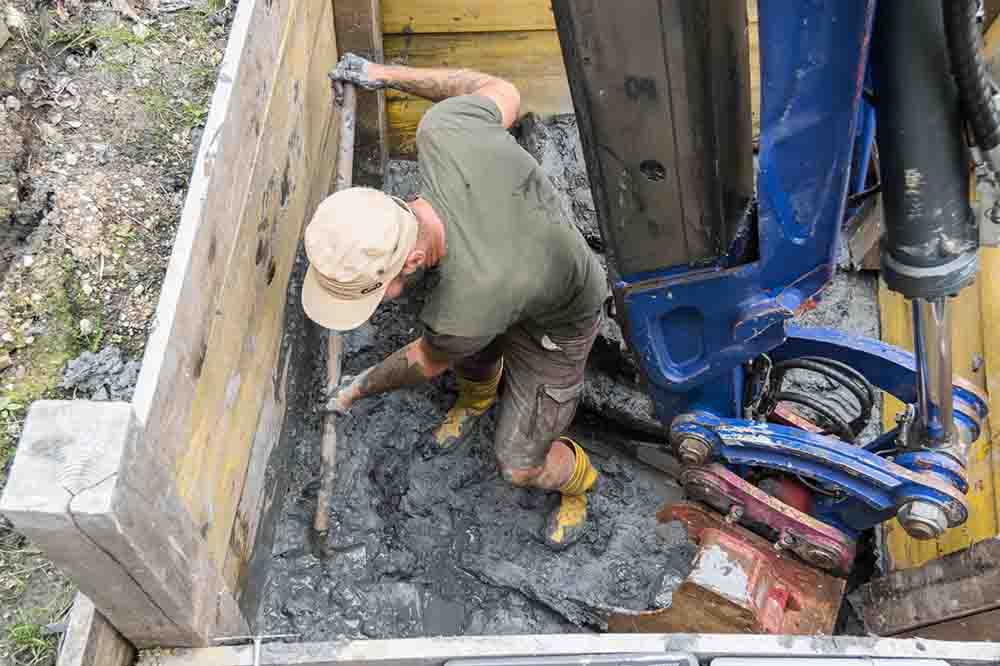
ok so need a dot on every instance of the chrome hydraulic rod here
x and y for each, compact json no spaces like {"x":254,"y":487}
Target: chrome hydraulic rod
{"x":932,"y":347}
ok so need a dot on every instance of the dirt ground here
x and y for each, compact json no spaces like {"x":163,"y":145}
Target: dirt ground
{"x":100,"y":105}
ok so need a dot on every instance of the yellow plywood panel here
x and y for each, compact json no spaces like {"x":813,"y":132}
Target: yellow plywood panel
{"x":968,"y":349}
{"x":421,"y":16}
{"x":531,"y":60}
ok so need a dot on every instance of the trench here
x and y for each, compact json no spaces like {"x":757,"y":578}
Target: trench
{"x":427,"y":544}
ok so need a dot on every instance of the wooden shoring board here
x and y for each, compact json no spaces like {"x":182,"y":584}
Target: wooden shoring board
{"x":951,"y":598}
{"x":531,"y":60}
{"x":320,"y":122}
{"x":208,"y":373}
{"x":437,"y":651}
{"x":89,"y":491}
{"x":90,"y":640}
{"x":443,"y":16}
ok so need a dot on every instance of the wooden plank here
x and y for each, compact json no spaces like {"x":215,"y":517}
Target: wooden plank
{"x":960,"y":584}
{"x":437,"y":651}
{"x":175,"y":354}
{"x":87,"y":488}
{"x":178,"y":353}
{"x":968,"y":349}
{"x":979,"y":627}
{"x":320,"y":122}
{"x":989,"y":278}
{"x":359,"y":31}
{"x":530,"y":60}
{"x":443,"y":16}
{"x":243,"y":341}
{"x":90,"y":640}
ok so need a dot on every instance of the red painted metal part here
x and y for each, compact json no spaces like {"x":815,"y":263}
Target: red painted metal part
{"x":789,"y":490}
{"x":817,"y":543}
{"x":739,"y":584}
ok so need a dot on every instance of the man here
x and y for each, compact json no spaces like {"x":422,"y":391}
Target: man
{"x":519,"y":292}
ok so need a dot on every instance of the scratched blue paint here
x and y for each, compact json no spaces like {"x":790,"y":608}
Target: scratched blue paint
{"x":873,"y":487}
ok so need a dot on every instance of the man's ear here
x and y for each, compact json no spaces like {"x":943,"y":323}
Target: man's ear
{"x":414,"y":261}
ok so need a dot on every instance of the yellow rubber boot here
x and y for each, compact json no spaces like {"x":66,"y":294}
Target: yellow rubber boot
{"x":474,"y":398}
{"x":568,"y":522}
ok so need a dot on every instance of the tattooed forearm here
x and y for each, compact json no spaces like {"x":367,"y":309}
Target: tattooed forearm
{"x":396,"y":371}
{"x":434,"y":84}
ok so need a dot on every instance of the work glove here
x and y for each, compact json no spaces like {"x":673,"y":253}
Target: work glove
{"x":341,"y":397}
{"x":354,"y":69}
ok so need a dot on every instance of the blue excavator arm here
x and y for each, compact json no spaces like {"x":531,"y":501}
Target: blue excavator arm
{"x":717,"y":239}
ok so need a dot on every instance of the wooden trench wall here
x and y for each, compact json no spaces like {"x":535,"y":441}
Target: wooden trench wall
{"x":153,"y":507}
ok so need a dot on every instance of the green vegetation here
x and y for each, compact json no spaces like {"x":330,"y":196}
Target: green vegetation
{"x":29,"y":645}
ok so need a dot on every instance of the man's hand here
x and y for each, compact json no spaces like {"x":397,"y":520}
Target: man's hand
{"x":355,"y":69}
{"x":342,"y":396}
{"x":412,"y":365}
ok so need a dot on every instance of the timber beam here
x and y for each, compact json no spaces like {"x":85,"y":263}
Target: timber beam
{"x":88,"y":490}
{"x":90,"y":640}
{"x":963,"y":587}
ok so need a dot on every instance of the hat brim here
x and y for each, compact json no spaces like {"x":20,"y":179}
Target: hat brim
{"x":334,"y":313}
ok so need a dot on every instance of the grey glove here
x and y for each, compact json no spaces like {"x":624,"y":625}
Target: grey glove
{"x":354,"y":69}
{"x":341,"y":397}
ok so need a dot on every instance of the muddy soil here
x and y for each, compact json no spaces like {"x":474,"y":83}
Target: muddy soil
{"x":426,"y":544}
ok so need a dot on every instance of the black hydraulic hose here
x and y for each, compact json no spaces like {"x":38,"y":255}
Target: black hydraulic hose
{"x":975,"y":85}
{"x":840,"y":374}
{"x":838,"y":426}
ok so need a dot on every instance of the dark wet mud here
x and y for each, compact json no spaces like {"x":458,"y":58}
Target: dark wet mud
{"x":425,"y":544}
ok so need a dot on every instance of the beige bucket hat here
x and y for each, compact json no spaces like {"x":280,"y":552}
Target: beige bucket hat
{"x":357,"y":243}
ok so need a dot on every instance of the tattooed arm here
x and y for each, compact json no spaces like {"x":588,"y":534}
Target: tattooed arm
{"x":412,"y":365}
{"x":438,"y":84}
{"x":430,"y":83}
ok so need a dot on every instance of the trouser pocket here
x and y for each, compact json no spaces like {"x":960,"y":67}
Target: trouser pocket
{"x":554,"y":410}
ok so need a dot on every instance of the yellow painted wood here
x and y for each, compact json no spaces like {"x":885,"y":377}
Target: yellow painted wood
{"x":989,"y":291}
{"x":531,"y":60}
{"x":422,"y":16}
{"x":242,"y":345}
{"x":967,"y":345}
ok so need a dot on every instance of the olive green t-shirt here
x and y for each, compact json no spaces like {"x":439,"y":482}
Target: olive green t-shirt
{"x":511,"y":256}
